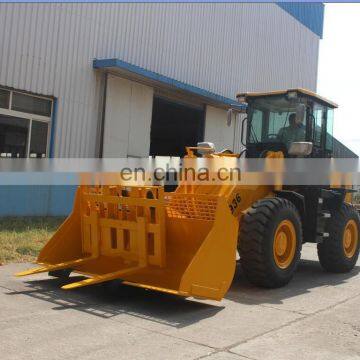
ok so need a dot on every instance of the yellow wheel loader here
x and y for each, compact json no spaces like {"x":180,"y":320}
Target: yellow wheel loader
{"x":184,"y":242}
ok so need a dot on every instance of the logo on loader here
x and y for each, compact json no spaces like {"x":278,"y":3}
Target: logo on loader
{"x":234,"y":203}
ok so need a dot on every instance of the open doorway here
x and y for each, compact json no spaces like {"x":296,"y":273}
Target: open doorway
{"x":174,"y":126}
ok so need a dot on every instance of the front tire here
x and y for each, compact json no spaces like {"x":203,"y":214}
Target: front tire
{"x":270,"y":242}
{"x":339,"y":252}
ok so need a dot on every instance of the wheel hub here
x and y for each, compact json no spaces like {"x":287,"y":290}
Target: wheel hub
{"x":350,"y":238}
{"x":281,"y":244}
{"x":284,"y":244}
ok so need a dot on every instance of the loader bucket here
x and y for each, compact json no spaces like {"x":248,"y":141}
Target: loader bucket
{"x":179,"y":243}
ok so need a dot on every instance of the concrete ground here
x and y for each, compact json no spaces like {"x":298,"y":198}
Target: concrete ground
{"x":316,"y":316}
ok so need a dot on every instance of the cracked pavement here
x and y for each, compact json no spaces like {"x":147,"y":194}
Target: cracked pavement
{"x":317,"y":315}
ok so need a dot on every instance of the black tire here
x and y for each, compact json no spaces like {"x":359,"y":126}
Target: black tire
{"x":331,"y":251}
{"x":256,"y":241}
{"x":61,"y":274}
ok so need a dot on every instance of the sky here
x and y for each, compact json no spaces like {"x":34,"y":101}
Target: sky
{"x":339,"y":70}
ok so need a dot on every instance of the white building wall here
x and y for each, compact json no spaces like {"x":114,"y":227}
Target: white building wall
{"x":48,"y":49}
{"x":128,"y":113}
{"x":216,"y":129}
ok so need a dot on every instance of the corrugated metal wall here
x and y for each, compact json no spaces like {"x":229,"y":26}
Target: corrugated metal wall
{"x":225,"y":48}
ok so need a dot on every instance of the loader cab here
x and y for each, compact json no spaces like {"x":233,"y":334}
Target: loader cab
{"x":277,"y":119}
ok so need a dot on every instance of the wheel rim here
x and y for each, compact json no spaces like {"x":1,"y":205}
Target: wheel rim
{"x":284,"y":244}
{"x":350,"y":238}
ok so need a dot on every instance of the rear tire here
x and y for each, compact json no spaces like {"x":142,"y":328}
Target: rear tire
{"x":339,"y":252}
{"x":264,"y":258}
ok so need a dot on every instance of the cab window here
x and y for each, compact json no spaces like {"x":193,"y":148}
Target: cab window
{"x":329,"y":129}
{"x":273,"y":120}
{"x":318,"y":118}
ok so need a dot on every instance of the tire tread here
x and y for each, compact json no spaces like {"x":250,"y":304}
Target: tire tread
{"x":330,"y":251}
{"x":253,"y":236}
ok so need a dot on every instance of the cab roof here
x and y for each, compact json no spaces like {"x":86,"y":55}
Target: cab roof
{"x":300,"y":91}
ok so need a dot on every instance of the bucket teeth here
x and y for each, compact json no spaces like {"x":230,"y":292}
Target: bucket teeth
{"x":47,"y":268}
{"x":101,"y":278}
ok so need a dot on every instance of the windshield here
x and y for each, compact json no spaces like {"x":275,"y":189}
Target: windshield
{"x":273,"y":119}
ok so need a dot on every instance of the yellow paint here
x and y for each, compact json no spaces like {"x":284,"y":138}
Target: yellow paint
{"x":182,"y":243}
{"x":350,"y":238}
{"x":274,"y":163}
{"x":284,"y":245}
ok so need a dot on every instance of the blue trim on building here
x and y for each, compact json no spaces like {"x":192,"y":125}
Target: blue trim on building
{"x":36,"y":200}
{"x":53,"y":129}
{"x":165,"y":80}
{"x":309,"y":14}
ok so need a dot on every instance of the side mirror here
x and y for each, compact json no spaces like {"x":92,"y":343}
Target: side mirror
{"x":300,"y":113}
{"x":205,"y":148}
{"x":302,"y":148}
{"x":229,"y":116}
{"x":233,"y":112}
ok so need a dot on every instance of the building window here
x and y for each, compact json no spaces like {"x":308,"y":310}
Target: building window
{"x":39,"y":135}
{"x":13,"y":136}
{"x":4,"y":98}
{"x":31,"y":104}
{"x":25,"y":122}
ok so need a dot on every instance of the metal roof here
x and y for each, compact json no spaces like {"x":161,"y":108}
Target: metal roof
{"x":283,"y":92}
{"x":156,"y":80}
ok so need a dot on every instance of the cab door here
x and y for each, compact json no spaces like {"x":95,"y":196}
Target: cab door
{"x":317,"y":133}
